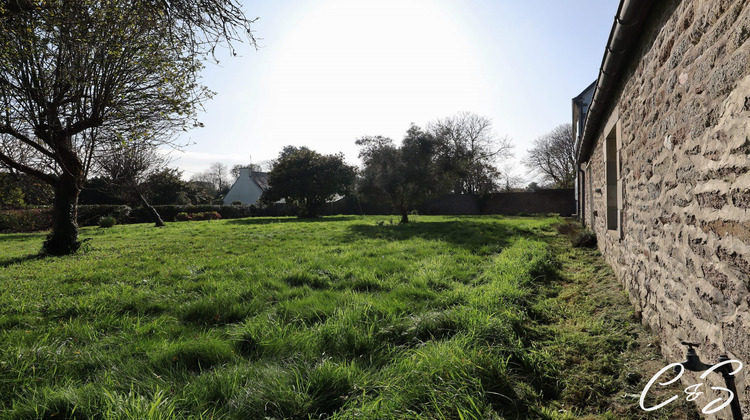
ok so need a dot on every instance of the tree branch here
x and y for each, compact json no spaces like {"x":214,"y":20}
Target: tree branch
{"x":49,"y":179}
{"x":6,"y":129}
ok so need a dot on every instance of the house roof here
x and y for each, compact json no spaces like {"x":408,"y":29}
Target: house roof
{"x":626,"y":31}
{"x":260,"y":179}
{"x":582,"y":96}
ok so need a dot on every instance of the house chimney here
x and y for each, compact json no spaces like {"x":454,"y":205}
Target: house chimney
{"x":244,"y":172}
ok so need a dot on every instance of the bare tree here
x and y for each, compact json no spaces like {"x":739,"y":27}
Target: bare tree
{"x":470,"y":151}
{"x":218,"y":172}
{"x":509,"y":180}
{"x":72,"y":69}
{"x":216,"y":175}
{"x":554,"y":157}
{"x":127,"y":167}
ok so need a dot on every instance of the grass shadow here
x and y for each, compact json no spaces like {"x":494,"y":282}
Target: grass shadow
{"x":482,"y":238}
{"x":22,"y":236}
{"x":16,"y":260}
{"x":291,"y":219}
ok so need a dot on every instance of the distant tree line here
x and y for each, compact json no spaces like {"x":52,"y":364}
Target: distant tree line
{"x":553,"y":157}
{"x":457,"y":154}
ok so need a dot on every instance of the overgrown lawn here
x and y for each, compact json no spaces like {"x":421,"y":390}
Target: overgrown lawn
{"x":343,"y":317}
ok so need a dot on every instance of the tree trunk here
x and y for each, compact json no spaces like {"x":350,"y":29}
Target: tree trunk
{"x":64,"y":237}
{"x":404,"y":216}
{"x":158,"y":222}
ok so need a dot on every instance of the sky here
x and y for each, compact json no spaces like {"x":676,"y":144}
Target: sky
{"x":330,"y":71}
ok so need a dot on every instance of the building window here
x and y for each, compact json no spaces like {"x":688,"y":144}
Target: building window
{"x":614,"y":199}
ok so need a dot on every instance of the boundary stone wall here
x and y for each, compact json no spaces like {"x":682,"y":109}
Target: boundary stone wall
{"x":558,"y":201}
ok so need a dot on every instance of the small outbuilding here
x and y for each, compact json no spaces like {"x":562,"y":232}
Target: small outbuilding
{"x":247,"y":188}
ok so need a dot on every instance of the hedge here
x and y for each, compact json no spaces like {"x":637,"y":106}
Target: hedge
{"x":35,"y":219}
{"x":25,"y":220}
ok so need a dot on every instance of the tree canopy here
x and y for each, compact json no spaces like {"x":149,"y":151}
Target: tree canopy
{"x":78,"y":76}
{"x":470,"y":151}
{"x":308,"y":179}
{"x":403,"y":175}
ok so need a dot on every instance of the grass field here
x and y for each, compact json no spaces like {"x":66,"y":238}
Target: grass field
{"x":343,"y":317}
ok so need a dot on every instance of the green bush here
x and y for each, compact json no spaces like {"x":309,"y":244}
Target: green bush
{"x":25,"y":220}
{"x":90,"y":215}
{"x":107,"y":221}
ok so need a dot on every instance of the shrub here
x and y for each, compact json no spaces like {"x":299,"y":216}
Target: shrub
{"x":107,"y":221}
{"x":206,"y":215}
{"x":210,"y":215}
{"x":25,"y":220}
{"x":90,"y":215}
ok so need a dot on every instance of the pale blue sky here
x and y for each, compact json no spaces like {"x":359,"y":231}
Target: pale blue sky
{"x":330,"y":71}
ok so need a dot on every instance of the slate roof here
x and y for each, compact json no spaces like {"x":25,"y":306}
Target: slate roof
{"x":261,"y":179}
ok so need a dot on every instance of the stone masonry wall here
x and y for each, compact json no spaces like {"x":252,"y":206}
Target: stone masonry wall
{"x":684,"y":117}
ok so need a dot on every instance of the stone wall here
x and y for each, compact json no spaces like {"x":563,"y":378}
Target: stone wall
{"x":683,"y":118}
{"x":558,"y":201}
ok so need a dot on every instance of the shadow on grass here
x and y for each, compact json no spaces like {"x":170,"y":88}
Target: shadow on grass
{"x":482,"y":238}
{"x":15,"y":260}
{"x":22,"y":236}
{"x":271,"y":220}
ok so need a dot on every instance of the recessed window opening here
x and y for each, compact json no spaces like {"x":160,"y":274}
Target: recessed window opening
{"x":612,"y":177}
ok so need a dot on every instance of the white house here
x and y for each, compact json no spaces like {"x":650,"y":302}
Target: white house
{"x":248,"y":187}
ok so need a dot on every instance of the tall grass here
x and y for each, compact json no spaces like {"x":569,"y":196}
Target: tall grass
{"x":282,"y":318}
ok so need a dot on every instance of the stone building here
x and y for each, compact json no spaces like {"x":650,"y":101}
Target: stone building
{"x":665,"y":177}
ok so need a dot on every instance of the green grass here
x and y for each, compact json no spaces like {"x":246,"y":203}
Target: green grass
{"x":447,"y":317}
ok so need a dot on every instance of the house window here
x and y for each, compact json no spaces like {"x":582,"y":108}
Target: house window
{"x":614,"y":199}
{"x":589,"y":198}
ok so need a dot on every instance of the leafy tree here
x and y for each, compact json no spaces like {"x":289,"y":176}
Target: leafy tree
{"x":98,"y":190}
{"x":11,"y":194}
{"x":18,"y":189}
{"x":554,"y":157}
{"x":470,"y":151}
{"x":78,"y":76}
{"x":533,"y":186}
{"x":197,"y":24}
{"x":200,"y":192}
{"x":307,"y":179}
{"x":404,"y":175}
{"x":165,"y":186}
{"x":263,"y":166}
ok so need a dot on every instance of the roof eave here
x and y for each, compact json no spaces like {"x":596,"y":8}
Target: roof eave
{"x":626,"y":31}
